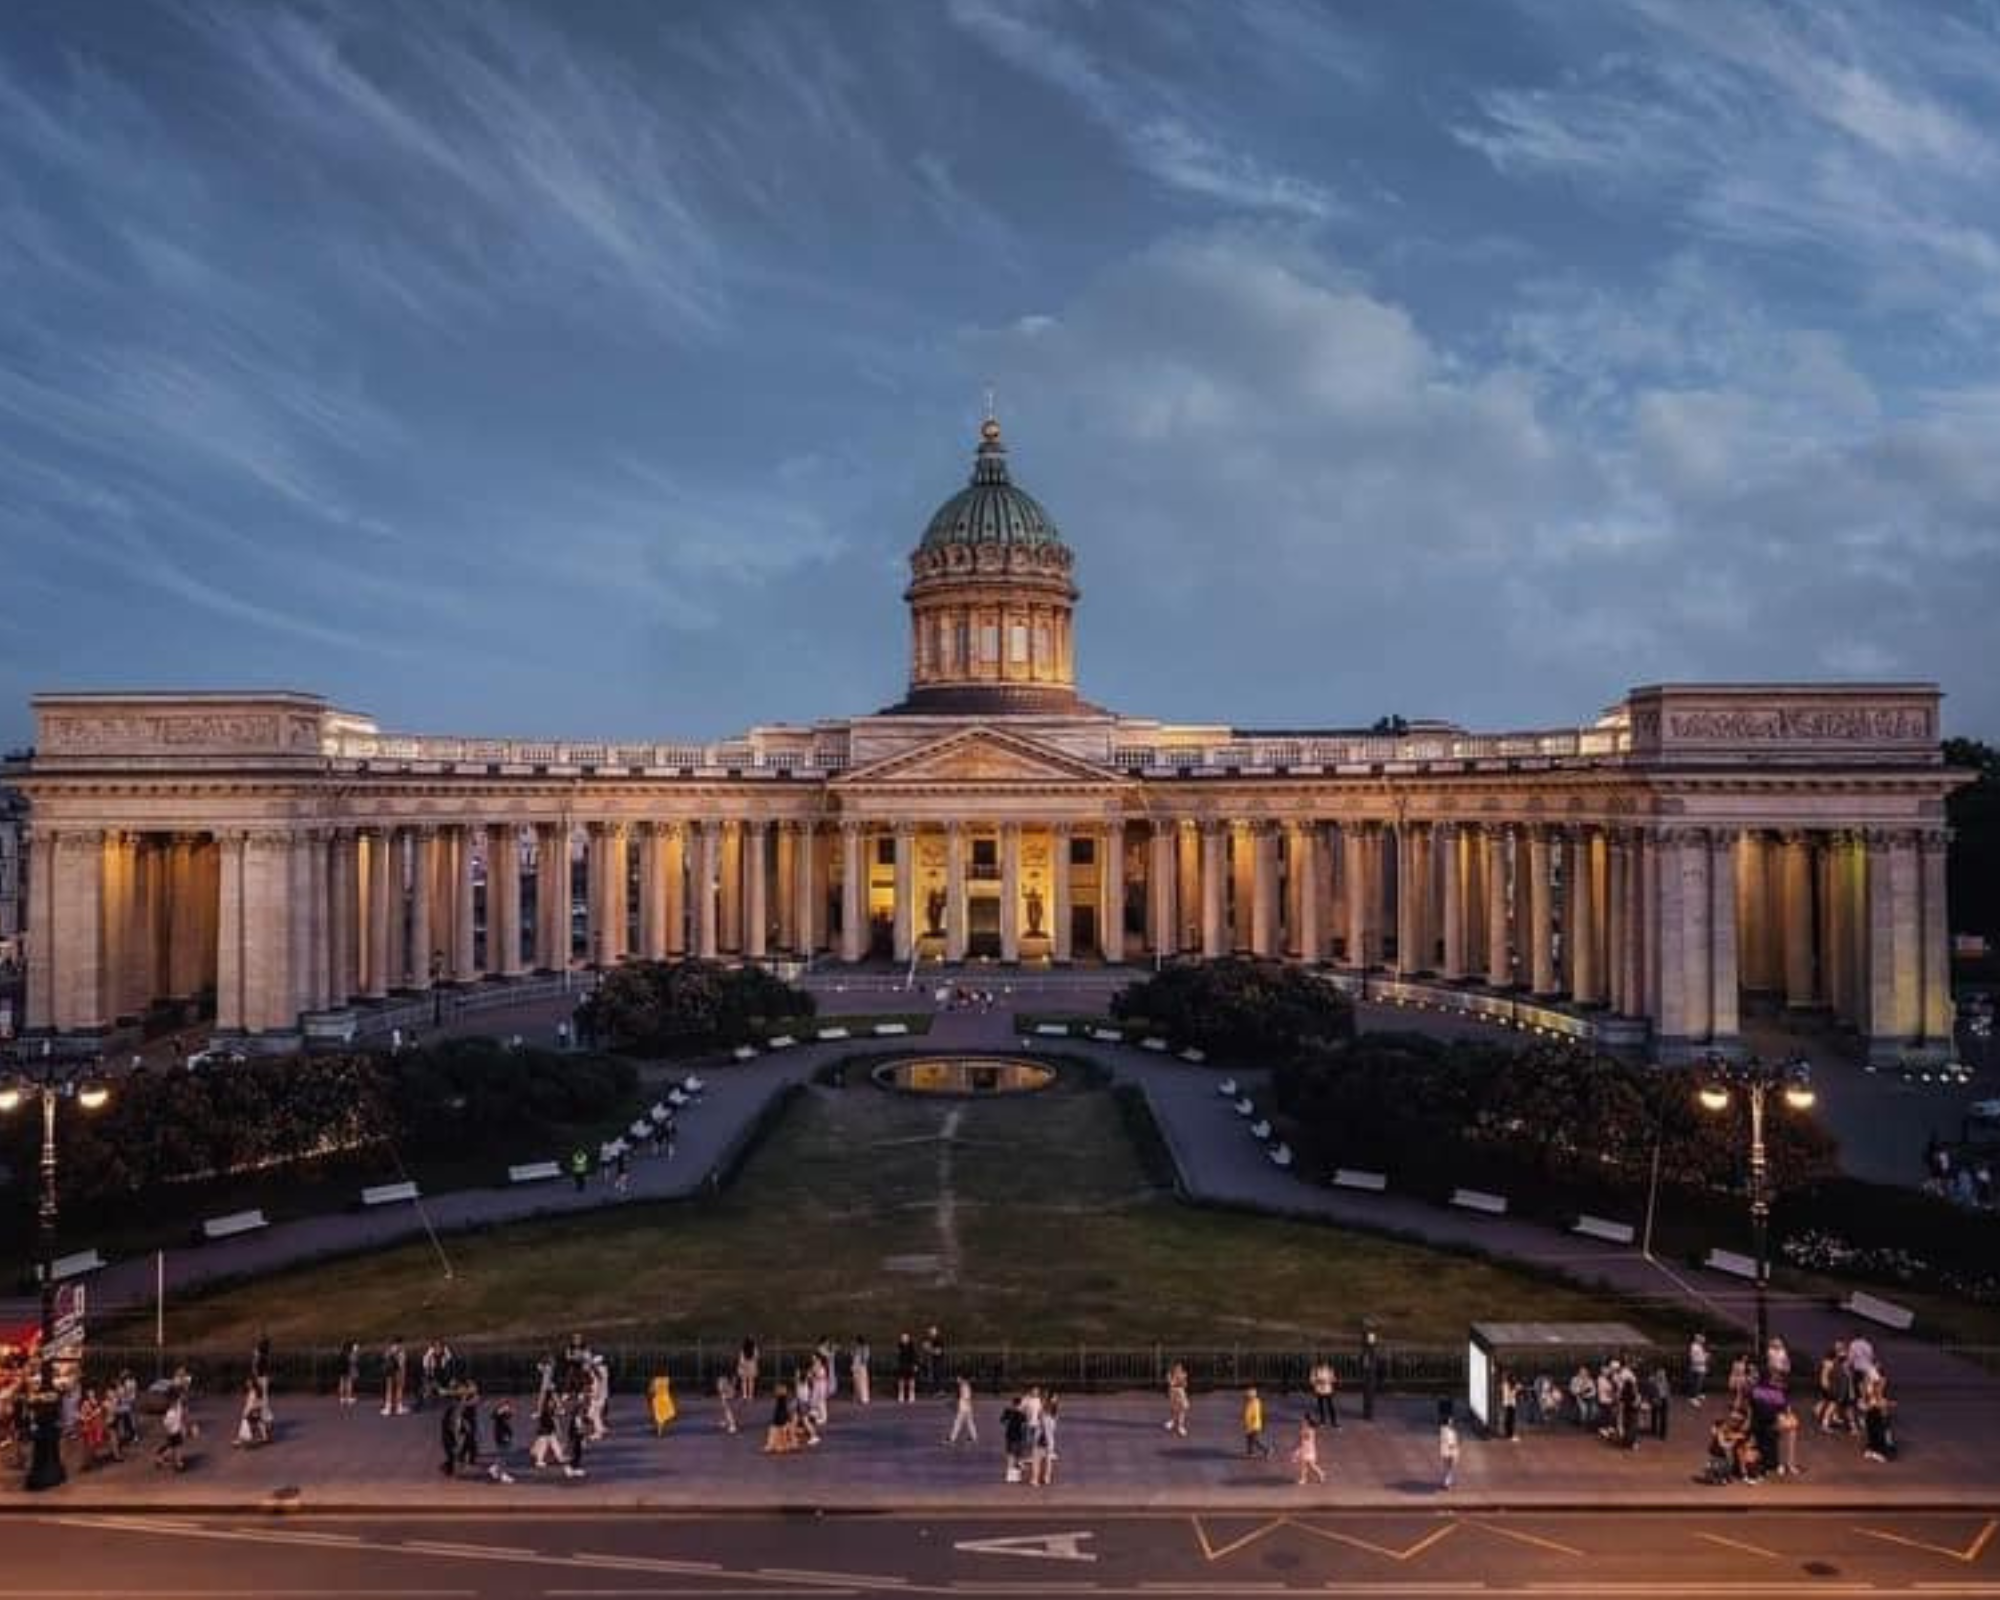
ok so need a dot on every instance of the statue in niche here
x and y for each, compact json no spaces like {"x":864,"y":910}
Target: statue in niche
{"x":934,"y":913}
{"x":1034,"y":911}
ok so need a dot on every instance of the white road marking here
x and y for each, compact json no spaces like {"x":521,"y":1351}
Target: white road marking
{"x":1035,"y":1546}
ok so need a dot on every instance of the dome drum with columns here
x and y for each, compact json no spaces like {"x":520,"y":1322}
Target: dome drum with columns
{"x":1642,"y":879}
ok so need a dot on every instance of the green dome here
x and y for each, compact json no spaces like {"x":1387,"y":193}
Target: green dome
{"x":990,"y":510}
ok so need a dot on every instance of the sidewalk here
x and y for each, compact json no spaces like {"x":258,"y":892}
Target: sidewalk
{"x":1113,"y":1455}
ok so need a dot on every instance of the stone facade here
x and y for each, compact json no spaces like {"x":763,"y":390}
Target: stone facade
{"x":1693,"y":851}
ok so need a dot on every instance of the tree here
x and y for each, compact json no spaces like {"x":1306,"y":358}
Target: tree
{"x":675,"y":1007}
{"x":1973,"y":867}
{"x":1240,"y":1008}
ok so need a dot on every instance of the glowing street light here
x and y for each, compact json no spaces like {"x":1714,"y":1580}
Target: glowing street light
{"x":1757,"y":1078}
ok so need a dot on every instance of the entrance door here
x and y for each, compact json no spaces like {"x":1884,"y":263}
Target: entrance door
{"x":982,"y":926}
{"x":1083,"y":927}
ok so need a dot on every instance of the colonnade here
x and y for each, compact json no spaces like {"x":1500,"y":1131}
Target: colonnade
{"x":1672,"y":924}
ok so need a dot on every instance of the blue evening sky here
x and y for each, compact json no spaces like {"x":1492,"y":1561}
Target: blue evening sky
{"x":590,"y":369}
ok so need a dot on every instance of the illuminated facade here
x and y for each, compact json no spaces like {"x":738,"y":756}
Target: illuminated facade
{"x":1696,"y":850}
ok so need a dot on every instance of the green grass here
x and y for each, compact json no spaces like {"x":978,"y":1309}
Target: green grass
{"x":1042,"y":1224}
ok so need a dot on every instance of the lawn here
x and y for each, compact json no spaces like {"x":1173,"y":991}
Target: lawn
{"x":1027,"y":1221}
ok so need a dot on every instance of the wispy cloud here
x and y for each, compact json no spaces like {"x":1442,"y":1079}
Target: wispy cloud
{"x":1160,"y":132}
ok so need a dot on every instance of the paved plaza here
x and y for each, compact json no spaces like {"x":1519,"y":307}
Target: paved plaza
{"x":1113,"y":1449}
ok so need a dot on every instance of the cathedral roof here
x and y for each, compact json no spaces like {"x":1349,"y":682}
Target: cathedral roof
{"x":990,"y":509}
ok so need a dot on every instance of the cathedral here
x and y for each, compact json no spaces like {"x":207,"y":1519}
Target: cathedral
{"x":1639,"y":880}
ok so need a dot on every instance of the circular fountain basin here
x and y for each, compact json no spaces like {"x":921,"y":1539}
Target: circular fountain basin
{"x":964,"y":1075}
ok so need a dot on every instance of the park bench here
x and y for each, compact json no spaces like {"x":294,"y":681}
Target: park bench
{"x":642,"y":1129}
{"x":678,"y":1098}
{"x":891,"y":1030}
{"x":1260,"y":1130}
{"x":1604,"y":1228}
{"x":236,"y":1222}
{"x":387,"y":1194}
{"x":1153,"y":1042}
{"x":660,"y":1111}
{"x":1281,"y":1155}
{"x":745,"y":1052}
{"x":1737,"y":1266}
{"x":1053,"y":1030}
{"x":1245,"y":1106}
{"x":784,"y":1041}
{"x":1194,"y":1056}
{"x":1356,"y":1178}
{"x":832,"y":1033}
{"x":534,"y":1171}
{"x":75,"y":1266}
{"x":1494,"y":1205}
{"x":1107,"y":1035}
{"x":693,"y":1085}
{"x":1886,"y":1312}
{"x":1227,"y":1088}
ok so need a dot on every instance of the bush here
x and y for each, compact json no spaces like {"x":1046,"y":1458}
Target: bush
{"x":683,"y":1007}
{"x":1239,"y":1008}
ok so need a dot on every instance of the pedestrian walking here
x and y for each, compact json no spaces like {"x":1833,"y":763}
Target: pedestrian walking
{"x":350,"y":1371}
{"x":1662,"y":1396}
{"x":448,"y":1435}
{"x":1014,"y":1437}
{"x":1447,"y":1453}
{"x":906,"y":1369}
{"x":503,"y":1440}
{"x":857,"y":1364}
{"x":725,"y":1399}
{"x":1177,"y":1400}
{"x":175,"y":1427}
{"x":1305,"y":1454}
{"x":962,"y":1424}
{"x":746,"y":1370}
{"x":660,"y":1402}
{"x":622,"y":1169}
{"x":1697,"y":1368}
{"x":1510,"y":1408}
{"x":546,"y":1450}
{"x":395,"y":1373}
{"x":1325,"y":1383}
{"x":573,"y":1467}
{"x":1255,"y":1445}
{"x":579,"y":1167}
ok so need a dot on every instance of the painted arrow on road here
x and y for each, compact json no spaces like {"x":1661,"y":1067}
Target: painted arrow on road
{"x":1035,"y":1546}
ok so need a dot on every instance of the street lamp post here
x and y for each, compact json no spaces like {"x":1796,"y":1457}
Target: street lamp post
{"x":1757,"y":1078}
{"x":437,"y":990}
{"x":45,"y":1468}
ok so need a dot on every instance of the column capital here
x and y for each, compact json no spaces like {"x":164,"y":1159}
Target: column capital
{"x":757,"y":826}
{"x":904,"y":828}
{"x":1934,"y":841}
{"x":852,"y":827}
{"x":1724,"y":838}
{"x":79,"y":841}
{"x":1060,"y":830}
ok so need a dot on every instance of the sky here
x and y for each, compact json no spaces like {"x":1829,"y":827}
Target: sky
{"x":582,"y":371}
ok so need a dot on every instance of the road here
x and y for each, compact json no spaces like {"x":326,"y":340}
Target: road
{"x":1736,"y":1549}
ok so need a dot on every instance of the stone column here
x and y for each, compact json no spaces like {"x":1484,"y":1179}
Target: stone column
{"x":732,"y":886}
{"x":785,"y":881}
{"x":1895,"y":963}
{"x":1759,"y":956}
{"x":853,"y":894}
{"x":805,"y":916}
{"x":1472,"y":896}
{"x":552,"y":893}
{"x":1451,"y":895}
{"x":1306,"y":874}
{"x":652,"y":894}
{"x":1935,"y":1006}
{"x":229,"y":1009}
{"x":903,"y":927}
{"x":344,"y":917}
{"x":1214,"y":841}
{"x":1263,"y":889}
{"x":503,"y":908}
{"x":705,"y":888}
{"x":465,"y":913}
{"x":1499,"y":948}
{"x":1724,"y":977}
{"x":1187,"y":885}
{"x":756,"y":907}
{"x":377,"y":899}
{"x":1580,"y":933}
{"x":1162,"y":886}
{"x":1010,"y":890}
{"x":1541,"y":942}
{"x":1614,"y":922}
{"x":423,"y":875}
{"x":1354,"y":842}
{"x":1797,"y":940}
{"x":67,"y":925}
{"x":270,"y":909}
{"x":1683,"y":920}
{"x":954,"y":892}
{"x":673,"y":858}
{"x":1111,"y":875}
{"x":185,"y":922}
{"x":1060,"y":931}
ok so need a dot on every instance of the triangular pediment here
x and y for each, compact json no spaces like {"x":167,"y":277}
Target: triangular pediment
{"x":984,"y":757}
